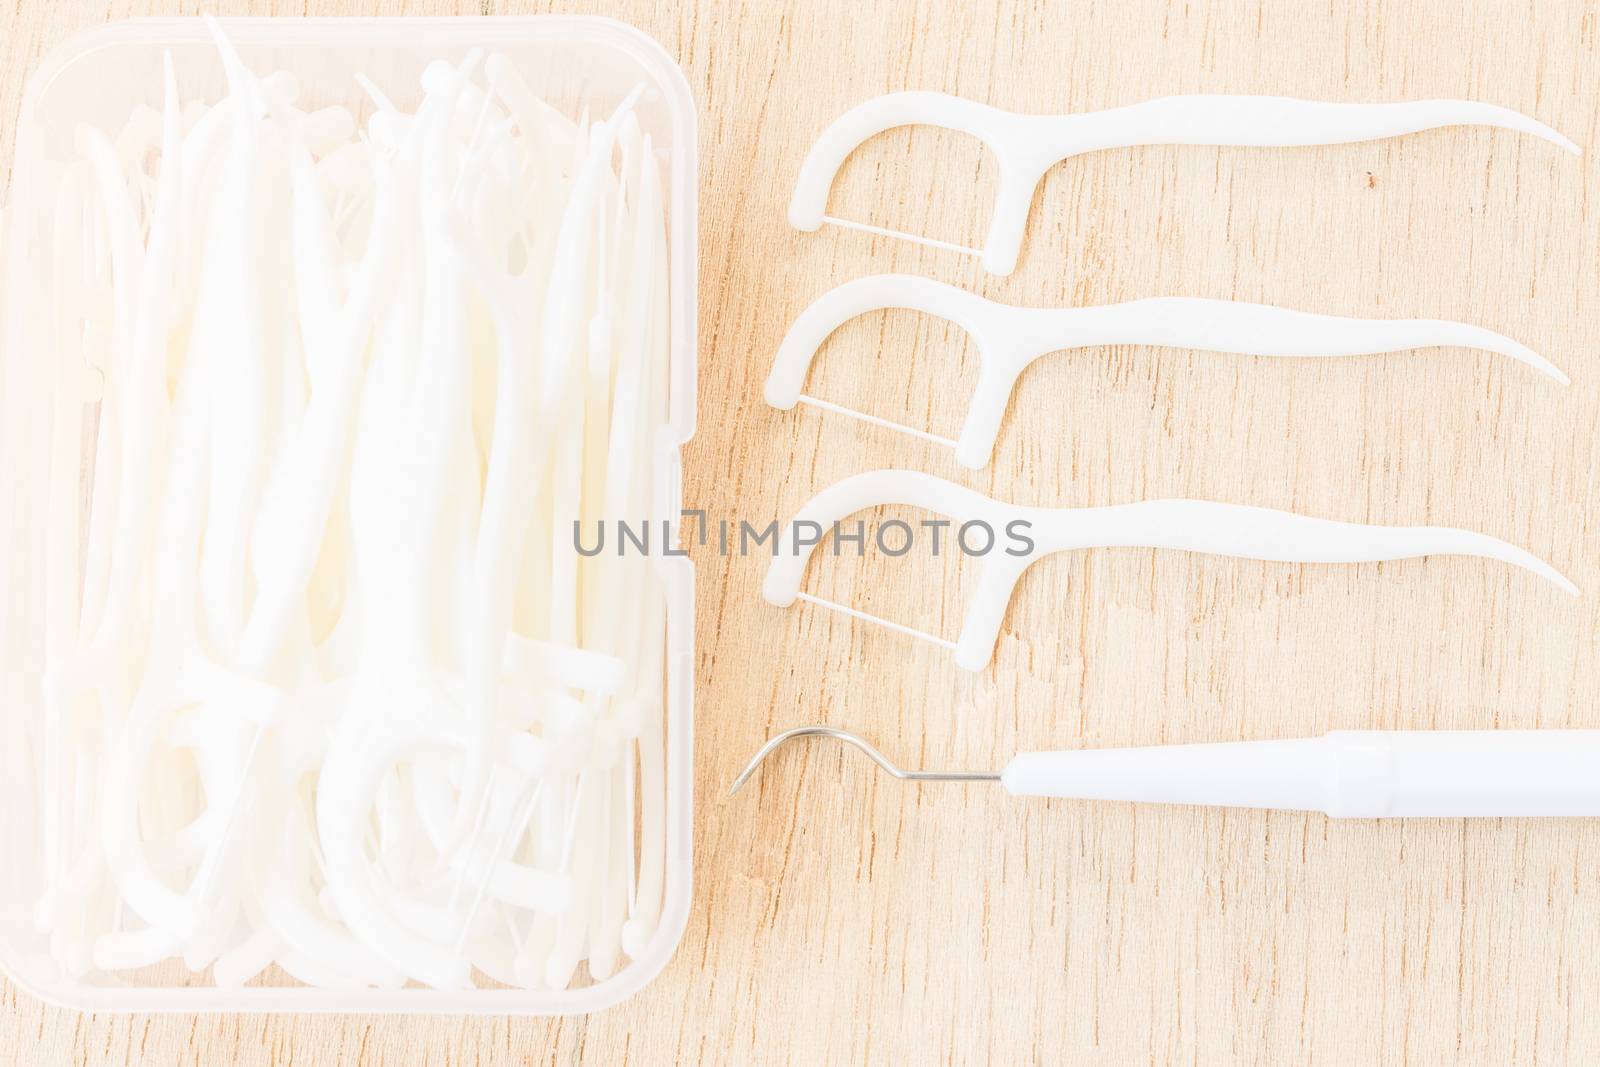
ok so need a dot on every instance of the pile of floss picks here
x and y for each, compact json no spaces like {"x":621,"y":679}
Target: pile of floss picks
{"x":329,"y":688}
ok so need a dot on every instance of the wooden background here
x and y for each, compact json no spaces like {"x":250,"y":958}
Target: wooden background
{"x":843,"y":917}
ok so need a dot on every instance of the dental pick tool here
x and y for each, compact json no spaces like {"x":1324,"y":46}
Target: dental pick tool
{"x":1031,"y":533}
{"x":1028,"y":146}
{"x":1010,"y":338}
{"x":1345,"y":774}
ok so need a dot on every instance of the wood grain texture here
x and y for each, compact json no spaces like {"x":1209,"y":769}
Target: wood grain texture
{"x":843,"y":917}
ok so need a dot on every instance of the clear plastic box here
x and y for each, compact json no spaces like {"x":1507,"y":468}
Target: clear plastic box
{"x":99,"y":77}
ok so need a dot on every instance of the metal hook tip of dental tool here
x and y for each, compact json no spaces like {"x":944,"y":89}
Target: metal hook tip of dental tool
{"x":861,"y":744}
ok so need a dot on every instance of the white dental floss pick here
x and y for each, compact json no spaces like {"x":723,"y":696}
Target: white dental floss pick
{"x":599,"y":619}
{"x":585,"y":863}
{"x":646,"y":339}
{"x":1010,"y":338}
{"x":649,"y":878}
{"x":540,"y":219}
{"x":564,"y":311}
{"x":239,"y":379}
{"x":361,"y":752}
{"x":1028,"y":146}
{"x":304,"y":476}
{"x":1190,"y":525}
{"x":567,"y":306}
{"x":61,"y":830}
{"x":131,"y":420}
{"x":248,"y":204}
{"x":178,"y":915}
{"x":509,"y":493}
{"x":173,"y":155}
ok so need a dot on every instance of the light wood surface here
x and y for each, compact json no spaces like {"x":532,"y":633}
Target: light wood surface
{"x":843,"y":917}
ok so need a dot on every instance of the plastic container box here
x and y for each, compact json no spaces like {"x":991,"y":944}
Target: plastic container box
{"x":98,"y":77}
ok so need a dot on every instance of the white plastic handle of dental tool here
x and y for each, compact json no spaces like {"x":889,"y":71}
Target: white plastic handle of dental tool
{"x":1027,"y":146}
{"x":1234,"y":530}
{"x":1347,"y":774}
{"x":1009,"y":338}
